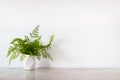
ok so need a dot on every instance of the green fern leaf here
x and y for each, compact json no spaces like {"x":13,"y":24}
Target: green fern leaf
{"x":35,"y":32}
{"x":22,"y":57}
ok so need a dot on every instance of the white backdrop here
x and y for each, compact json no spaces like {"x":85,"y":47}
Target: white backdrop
{"x":87,"y":32}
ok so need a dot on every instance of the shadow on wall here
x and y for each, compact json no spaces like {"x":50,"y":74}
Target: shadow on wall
{"x":56,"y":53}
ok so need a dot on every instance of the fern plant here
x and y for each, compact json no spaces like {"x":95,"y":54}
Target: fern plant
{"x":29,"y":45}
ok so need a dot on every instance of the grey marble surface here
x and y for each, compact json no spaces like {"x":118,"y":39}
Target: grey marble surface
{"x":60,"y":74}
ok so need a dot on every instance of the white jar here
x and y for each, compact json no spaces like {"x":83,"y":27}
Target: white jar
{"x":29,"y":63}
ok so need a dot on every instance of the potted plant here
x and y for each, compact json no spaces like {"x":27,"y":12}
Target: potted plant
{"x":29,"y":49}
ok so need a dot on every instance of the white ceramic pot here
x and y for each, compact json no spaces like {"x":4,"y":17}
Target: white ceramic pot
{"x":29,"y":63}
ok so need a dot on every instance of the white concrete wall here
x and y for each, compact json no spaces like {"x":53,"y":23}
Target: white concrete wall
{"x":87,"y":32}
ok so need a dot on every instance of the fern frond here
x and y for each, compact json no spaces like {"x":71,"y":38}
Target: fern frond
{"x":51,"y":39}
{"x":35,"y":32}
{"x":13,"y":56}
{"x":22,"y":57}
{"x":49,"y":57}
{"x":49,"y":44}
{"x":11,"y":49}
{"x":17,"y":40}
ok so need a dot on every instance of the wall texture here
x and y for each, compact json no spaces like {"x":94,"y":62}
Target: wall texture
{"x":87,"y":32}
